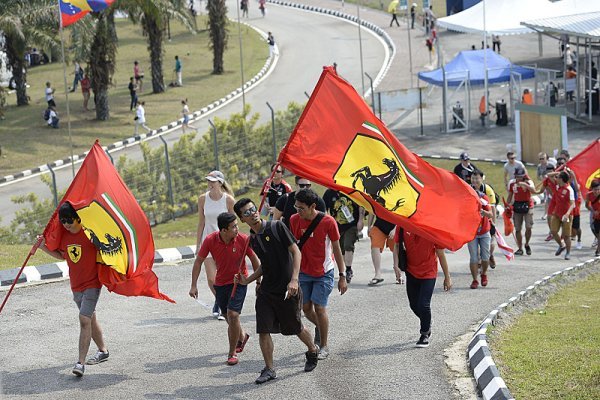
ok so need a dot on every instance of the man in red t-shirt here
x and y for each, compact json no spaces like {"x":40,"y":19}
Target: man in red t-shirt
{"x":479,"y":247}
{"x":421,"y":272}
{"x":519,"y":195}
{"x":227,"y":249}
{"x":317,"y":264}
{"x":564,"y":202}
{"x":592,"y":203}
{"x":80,"y":254}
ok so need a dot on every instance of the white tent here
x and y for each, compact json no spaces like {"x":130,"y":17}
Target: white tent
{"x":504,"y":17}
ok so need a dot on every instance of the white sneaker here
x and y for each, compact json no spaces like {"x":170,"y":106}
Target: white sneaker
{"x":323,"y":353}
{"x":579,"y":246}
{"x":595,"y":243}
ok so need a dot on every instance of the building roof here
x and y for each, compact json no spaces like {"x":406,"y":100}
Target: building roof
{"x":583,"y":25}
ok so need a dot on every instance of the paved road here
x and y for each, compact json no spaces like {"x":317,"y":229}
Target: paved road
{"x":307,"y":42}
{"x":160,"y":350}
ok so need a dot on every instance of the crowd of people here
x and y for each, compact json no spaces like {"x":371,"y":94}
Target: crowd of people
{"x":299,"y":241}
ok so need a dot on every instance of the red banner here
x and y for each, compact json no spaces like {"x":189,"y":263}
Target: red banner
{"x":586,"y":166}
{"x":339,"y":143}
{"x":115,"y":223}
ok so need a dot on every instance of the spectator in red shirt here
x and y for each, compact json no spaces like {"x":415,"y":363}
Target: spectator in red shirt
{"x":80,"y":254}
{"x":564,"y":197}
{"x":592,"y":203}
{"x":421,"y":272}
{"x":227,"y":249}
{"x":317,"y":264}
{"x":479,"y":247}
{"x":519,"y":196}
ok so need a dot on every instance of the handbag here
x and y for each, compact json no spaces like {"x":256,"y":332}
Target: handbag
{"x":402,"y":258}
{"x":521,"y":207}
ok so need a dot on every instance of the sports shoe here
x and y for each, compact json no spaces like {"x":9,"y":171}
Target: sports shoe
{"x":519,"y":252}
{"x":527,"y":250}
{"x":240,"y":345}
{"x":317,"y":336}
{"x":579,"y":245}
{"x":567,"y":256}
{"x":311,"y":360}
{"x":492,"y":262}
{"x":349,"y":274}
{"x":266,"y":375}
{"x":474,"y":284}
{"x":560,"y":250}
{"x":597,"y":253}
{"x":323,"y":353}
{"x":424,"y":339}
{"x":595,"y":243}
{"x":484,"y":280}
{"x":78,"y":369}
{"x":99,"y":357}
{"x":220,"y":317}
{"x":233,"y":360}
{"x":549,"y":237}
{"x":215,"y":310}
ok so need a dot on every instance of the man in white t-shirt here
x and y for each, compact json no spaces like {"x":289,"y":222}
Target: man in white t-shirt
{"x":50,"y":95}
{"x":509,"y":168}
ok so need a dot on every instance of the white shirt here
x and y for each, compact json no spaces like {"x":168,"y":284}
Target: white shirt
{"x":140,"y":113}
{"x":51,"y":115}
{"x":49,"y":95}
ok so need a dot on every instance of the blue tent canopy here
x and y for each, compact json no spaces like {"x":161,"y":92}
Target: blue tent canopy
{"x":499,"y":69}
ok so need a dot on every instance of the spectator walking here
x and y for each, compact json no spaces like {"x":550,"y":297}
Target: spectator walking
{"x":465,"y":168}
{"x":593,"y":205}
{"x":561,"y":217}
{"x":319,"y":242}
{"x":80,"y":254}
{"x":178,"y":71}
{"x":261,"y":7}
{"x":271,"y":41}
{"x":519,"y":196}
{"x":50,"y":95}
{"x":393,"y":9}
{"x":274,"y":189}
{"x":284,"y":208}
{"x":278,"y":297}
{"x":477,"y":182}
{"x":140,"y":117}
{"x":510,"y":166}
{"x":185,"y":113}
{"x":479,"y":247}
{"x":138,"y":74}
{"x":78,"y":76}
{"x":218,"y":199}
{"x":381,"y":233}
{"x":349,"y":217}
{"x":133,"y":88}
{"x":244,"y":7}
{"x":229,"y":250}
{"x":421,"y":265}
{"x":85,"y":90}
{"x":496,"y":43}
{"x":413,"y":14}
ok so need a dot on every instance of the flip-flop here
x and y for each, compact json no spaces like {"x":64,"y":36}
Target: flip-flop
{"x":375,"y":281}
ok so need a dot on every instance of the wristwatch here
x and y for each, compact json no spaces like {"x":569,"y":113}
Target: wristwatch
{"x":342,"y":275}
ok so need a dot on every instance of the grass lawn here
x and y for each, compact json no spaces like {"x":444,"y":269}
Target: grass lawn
{"x":182,"y":231}
{"x":27,"y":141}
{"x":555,"y":353}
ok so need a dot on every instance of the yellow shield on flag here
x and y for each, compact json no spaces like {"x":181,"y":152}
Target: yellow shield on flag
{"x":74,"y":251}
{"x":104,"y":232}
{"x":591,"y":178}
{"x":371,"y":167}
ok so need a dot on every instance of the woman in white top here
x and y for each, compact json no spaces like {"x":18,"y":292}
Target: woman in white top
{"x":140,"y":117}
{"x":217,"y":200}
{"x":185,"y":112}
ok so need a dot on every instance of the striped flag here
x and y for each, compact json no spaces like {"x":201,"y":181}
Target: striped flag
{"x":508,"y":252}
{"x":72,"y":11}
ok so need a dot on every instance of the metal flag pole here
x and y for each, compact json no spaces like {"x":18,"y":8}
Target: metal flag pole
{"x":241,"y":57}
{"x":362,"y":72}
{"x":62,"y":48}
{"x":485,"y":71}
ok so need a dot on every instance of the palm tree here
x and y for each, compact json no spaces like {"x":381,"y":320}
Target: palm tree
{"x":102,"y":61}
{"x":153,"y":16}
{"x":219,"y":34}
{"x":26,"y":23}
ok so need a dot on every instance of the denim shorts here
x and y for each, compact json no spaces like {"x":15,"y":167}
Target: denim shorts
{"x":316,"y":289}
{"x":86,"y":301}
{"x":224,"y":300}
{"x":479,"y":248}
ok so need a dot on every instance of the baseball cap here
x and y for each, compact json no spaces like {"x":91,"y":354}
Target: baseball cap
{"x":519,"y":171}
{"x":216,"y":176}
{"x":464,"y":156}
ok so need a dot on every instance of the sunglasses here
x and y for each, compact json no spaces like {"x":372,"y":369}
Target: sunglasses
{"x":511,"y":158}
{"x":304,"y":185}
{"x":68,"y":220}
{"x":279,"y":171}
{"x":249,"y":211}
{"x":300,"y":209}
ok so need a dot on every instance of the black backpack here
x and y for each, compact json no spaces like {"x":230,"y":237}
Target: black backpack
{"x":47,"y":114}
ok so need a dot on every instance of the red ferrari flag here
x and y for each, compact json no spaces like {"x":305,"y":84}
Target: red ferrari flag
{"x":339,"y":143}
{"x":586,"y":166}
{"x":72,"y":11}
{"x":114,"y":222}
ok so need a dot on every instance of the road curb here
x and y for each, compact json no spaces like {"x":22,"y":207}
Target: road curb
{"x":59,"y":270}
{"x":481,"y":361}
{"x":156,"y":132}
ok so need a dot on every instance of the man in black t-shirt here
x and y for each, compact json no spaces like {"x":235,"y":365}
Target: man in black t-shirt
{"x":350,"y":219}
{"x":275,"y":188}
{"x":278,"y":298}
{"x":284,"y":208}
{"x":464,"y":169}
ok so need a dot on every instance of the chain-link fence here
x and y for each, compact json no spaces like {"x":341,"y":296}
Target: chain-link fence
{"x":168,"y":180}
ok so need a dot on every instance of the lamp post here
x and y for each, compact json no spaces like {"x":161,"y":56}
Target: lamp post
{"x":241,"y":57}
{"x":362,"y":76}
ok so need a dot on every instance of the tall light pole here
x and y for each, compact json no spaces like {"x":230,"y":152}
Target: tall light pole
{"x":241,"y":57}
{"x":485,"y":69}
{"x":362,"y":72}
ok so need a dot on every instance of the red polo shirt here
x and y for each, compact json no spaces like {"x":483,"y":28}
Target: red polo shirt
{"x":227,"y":256}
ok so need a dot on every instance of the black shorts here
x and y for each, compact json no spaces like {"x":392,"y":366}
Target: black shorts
{"x":276,"y":315}
{"x":596,"y":226}
{"x":224,"y":300}
{"x":576,"y":223}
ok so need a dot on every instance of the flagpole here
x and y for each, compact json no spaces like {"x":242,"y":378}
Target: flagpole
{"x":362,"y":72}
{"x":31,"y":252}
{"x":62,"y":49}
